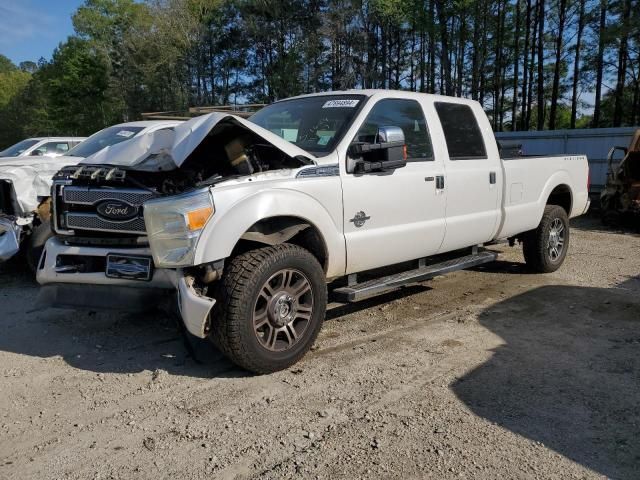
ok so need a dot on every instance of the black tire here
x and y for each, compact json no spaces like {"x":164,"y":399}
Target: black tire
{"x":241,"y":291}
{"x":35,"y":243}
{"x":538,"y":244}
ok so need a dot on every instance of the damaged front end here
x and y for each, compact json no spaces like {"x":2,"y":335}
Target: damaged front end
{"x":12,"y":223}
{"x":130,"y":216}
{"x":9,"y":238}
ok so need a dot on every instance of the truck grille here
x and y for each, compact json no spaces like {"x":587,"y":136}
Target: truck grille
{"x":91,"y":196}
{"x":91,"y":221}
{"x":83,"y":209}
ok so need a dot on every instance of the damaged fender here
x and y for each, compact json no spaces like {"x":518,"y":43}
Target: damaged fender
{"x":9,"y":239}
{"x":223,"y":231}
{"x":194,"y":308}
{"x":32,"y":178}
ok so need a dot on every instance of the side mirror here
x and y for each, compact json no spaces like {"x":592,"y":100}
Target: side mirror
{"x":37,"y":153}
{"x":387,"y":153}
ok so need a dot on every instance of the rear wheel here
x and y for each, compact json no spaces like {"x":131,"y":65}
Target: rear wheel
{"x":545,"y":248}
{"x":270,"y":308}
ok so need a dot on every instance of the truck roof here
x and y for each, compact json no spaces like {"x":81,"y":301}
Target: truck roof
{"x":384,"y":92}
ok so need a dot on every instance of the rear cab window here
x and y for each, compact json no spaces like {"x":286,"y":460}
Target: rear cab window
{"x":461,"y":131}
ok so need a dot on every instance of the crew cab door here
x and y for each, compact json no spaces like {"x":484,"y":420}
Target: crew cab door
{"x":398,"y":215}
{"x":473,"y":178}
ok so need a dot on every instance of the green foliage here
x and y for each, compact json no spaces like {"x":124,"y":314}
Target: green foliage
{"x":6,"y":65}
{"x":76,"y":82}
{"x":13,"y":83}
{"x":132,"y":56}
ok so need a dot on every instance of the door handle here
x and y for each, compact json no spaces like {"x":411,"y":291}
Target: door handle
{"x":492,"y":178}
{"x":439,"y":182}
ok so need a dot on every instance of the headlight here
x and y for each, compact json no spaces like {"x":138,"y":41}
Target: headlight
{"x":174,"y":225}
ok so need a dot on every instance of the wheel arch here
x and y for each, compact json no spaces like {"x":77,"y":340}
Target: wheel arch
{"x":285,"y":229}
{"x":562,"y":196}
{"x":272,"y":217}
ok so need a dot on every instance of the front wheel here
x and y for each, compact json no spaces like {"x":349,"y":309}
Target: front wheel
{"x":270,"y":306}
{"x":545,"y":248}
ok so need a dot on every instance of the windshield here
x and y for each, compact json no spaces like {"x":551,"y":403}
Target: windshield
{"x":18,"y":148}
{"x":104,"y":138}
{"x":315,"y":124}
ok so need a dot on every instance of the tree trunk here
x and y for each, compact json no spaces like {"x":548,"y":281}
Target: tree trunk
{"x":622,"y":64}
{"x":475,"y":59}
{"x":423,"y":52}
{"x":531,"y":68}
{"x":541,"y":65}
{"x":516,"y":67}
{"x":445,"y":65}
{"x":432,"y":46}
{"x":483,"y":55}
{"x":576,"y":66}
{"x":497,"y":68}
{"x":461,"y":54}
{"x":600,"y":63}
{"x":555,"y":90}
{"x":525,"y":69}
{"x":635,"y":115}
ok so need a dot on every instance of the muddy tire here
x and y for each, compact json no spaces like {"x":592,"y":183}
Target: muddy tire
{"x":545,"y":248}
{"x":35,"y":244}
{"x":271,"y":303}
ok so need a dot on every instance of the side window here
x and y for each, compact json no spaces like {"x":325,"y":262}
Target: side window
{"x":406,"y":114}
{"x":461,"y":131}
{"x":53,"y":148}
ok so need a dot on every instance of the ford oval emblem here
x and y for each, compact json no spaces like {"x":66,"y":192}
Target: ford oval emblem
{"x":116,"y":210}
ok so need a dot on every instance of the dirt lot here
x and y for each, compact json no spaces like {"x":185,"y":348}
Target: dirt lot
{"x":492,"y":373}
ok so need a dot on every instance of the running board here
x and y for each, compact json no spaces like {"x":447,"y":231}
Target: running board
{"x":360,"y":291}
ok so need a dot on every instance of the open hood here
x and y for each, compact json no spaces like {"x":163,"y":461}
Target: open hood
{"x":168,"y":149}
{"x":32,"y":177}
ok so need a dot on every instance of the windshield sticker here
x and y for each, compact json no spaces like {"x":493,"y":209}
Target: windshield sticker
{"x":125,"y":133}
{"x":341,"y":103}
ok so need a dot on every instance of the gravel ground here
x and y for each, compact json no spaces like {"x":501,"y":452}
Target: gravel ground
{"x":489,"y":373}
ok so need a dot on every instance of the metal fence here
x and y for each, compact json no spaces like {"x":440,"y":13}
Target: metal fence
{"x":594,"y":143}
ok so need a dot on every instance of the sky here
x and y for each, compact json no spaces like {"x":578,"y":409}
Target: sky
{"x":30,"y":29}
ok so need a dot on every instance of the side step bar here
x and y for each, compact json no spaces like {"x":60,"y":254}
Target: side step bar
{"x":360,"y":291}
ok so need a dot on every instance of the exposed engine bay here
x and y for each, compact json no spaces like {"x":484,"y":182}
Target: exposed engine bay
{"x":227,"y":152}
{"x":103,"y":195}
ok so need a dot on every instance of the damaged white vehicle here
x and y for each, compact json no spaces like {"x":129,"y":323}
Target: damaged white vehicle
{"x":25,"y":186}
{"x":249,"y":221}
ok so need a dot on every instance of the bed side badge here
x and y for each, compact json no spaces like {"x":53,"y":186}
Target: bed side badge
{"x":360,"y":219}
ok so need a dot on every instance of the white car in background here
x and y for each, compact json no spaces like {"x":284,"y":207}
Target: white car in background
{"x":41,"y":147}
{"x":25,"y":187}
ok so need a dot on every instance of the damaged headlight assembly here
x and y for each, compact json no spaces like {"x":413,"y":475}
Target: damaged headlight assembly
{"x":174,"y":225}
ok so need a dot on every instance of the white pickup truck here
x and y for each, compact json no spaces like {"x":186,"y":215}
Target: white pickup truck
{"x":253,"y":223}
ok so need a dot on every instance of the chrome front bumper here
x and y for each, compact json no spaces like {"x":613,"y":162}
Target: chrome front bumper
{"x":9,"y":239}
{"x":65,"y":288}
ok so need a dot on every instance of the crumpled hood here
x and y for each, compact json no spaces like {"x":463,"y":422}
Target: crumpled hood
{"x":32,"y":177}
{"x":169,"y":148}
